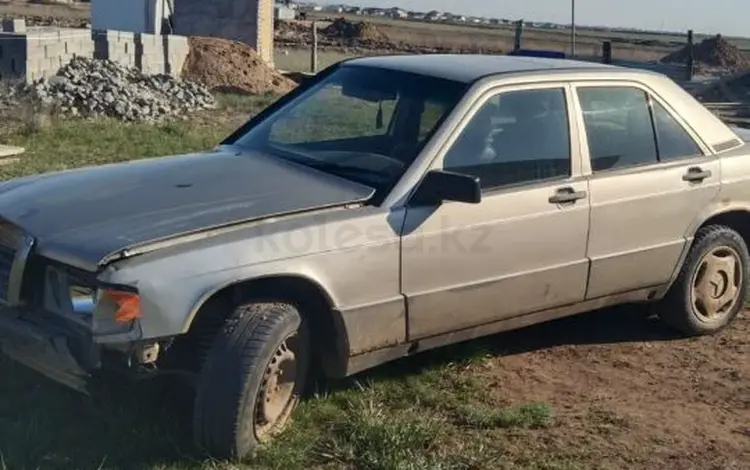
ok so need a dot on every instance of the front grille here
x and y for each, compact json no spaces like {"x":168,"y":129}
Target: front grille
{"x":7,"y":255}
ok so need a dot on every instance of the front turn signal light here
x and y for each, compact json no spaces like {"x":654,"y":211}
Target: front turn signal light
{"x":128,"y":305}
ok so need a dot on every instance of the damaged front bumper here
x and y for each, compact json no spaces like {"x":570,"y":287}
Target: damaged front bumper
{"x":55,"y":347}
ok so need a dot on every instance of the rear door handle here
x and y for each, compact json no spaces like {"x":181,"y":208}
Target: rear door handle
{"x":566,"y":195}
{"x":696,"y":174}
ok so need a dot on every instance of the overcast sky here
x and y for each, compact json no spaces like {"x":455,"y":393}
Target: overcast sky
{"x":729,"y":17}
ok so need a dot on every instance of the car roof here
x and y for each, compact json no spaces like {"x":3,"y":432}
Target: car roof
{"x":468,"y":68}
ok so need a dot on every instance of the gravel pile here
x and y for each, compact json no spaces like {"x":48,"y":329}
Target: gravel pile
{"x":89,"y":87}
{"x":10,"y":95}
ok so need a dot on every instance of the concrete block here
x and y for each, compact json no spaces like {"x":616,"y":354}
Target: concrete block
{"x":14,"y":26}
{"x":148,"y":40}
{"x":125,"y":36}
{"x":44,"y":37}
{"x":54,"y":50}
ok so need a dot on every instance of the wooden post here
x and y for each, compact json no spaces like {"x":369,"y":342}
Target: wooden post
{"x":314,"y":51}
{"x":572,"y":29}
{"x":690,"y":65}
{"x":519,"y":34}
{"x":607,"y":52}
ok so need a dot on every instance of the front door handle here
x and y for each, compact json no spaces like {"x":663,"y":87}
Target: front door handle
{"x":566,"y":195}
{"x":696,"y":174}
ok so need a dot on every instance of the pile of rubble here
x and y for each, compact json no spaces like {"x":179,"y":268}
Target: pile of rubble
{"x":344,"y":29}
{"x":89,"y":87}
{"x":48,"y":21}
{"x":712,"y":52}
{"x":9,"y":95}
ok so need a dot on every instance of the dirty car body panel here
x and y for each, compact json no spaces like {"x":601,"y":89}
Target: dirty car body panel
{"x":337,"y":208}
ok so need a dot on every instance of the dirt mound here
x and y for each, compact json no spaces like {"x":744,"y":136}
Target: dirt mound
{"x":231,"y":66}
{"x":714,"y":52}
{"x":288,"y":28}
{"x":344,"y":29}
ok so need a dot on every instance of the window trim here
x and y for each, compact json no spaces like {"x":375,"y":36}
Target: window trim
{"x":671,"y":114}
{"x":575,"y":151}
{"x":708,"y":154}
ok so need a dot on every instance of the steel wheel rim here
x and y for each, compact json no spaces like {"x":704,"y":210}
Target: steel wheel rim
{"x":716,"y":284}
{"x":277,"y":394}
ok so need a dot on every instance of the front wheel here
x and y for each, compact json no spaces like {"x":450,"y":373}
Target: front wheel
{"x":252,"y":378}
{"x":711,"y":287}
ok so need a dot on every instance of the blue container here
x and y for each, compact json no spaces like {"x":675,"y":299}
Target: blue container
{"x":533,"y":53}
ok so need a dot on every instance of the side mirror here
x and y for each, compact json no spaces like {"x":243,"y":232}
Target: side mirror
{"x":440,"y":185}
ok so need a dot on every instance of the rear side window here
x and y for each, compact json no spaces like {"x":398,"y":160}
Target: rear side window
{"x":618,"y":127}
{"x":674,"y":141}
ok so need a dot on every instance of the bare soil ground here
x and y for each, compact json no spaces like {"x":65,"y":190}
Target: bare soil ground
{"x":74,"y":15}
{"x":631,"y":396}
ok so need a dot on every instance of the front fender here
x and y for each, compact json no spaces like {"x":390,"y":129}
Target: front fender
{"x":352,"y":256}
{"x":170,"y":305}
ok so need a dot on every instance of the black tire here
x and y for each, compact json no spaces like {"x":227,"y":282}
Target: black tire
{"x":682,"y":308}
{"x":235,"y":378}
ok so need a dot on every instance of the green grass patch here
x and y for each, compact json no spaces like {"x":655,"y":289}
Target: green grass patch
{"x":53,"y":143}
{"x":530,"y":416}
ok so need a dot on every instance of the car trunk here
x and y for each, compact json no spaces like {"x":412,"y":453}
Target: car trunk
{"x":743,"y":133}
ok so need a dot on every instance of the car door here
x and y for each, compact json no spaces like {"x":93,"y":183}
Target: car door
{"x":523,"y":247}
{"x":649,"y":174}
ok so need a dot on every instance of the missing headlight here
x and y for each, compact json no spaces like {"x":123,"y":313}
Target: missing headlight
{"x":69,"y":292}
{"x":83,"y":299}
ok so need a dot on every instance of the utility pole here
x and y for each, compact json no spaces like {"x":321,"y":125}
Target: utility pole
{"x":572,"y":28}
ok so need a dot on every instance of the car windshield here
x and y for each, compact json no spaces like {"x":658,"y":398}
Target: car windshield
{"x":360,"y":123}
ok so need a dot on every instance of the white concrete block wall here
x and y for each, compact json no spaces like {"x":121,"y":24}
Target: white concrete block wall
{"x":47,"y":51}
{"x":39,"y":53}
{"x":117,"y":46}
{"x":149,"y":54}
{"x":248,"y":21}
{"x":176,"y":51}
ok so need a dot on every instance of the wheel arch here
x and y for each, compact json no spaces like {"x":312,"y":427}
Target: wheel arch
{"x":736,"y":218}
{"x":328,"y":332}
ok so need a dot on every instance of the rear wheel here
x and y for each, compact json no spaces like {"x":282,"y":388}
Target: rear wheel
{"x":712,"y":285}
{"x":252,"y":378}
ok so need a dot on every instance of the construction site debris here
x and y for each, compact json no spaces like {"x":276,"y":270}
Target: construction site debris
{"x":89,"y":87}
{"x":49,"y":21}
{"x":713,"y":52}
{"x":291,"y":30}
{"x":344,"y":29}
{"x":231,"y":66}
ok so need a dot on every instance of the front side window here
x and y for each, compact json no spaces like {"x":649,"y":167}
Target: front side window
{"x":514,"y":138}
{"x":360,"y":123}
{"x":618,"y":127}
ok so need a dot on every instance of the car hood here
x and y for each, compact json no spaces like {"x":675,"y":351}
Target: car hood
{"x":85,"y":217}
